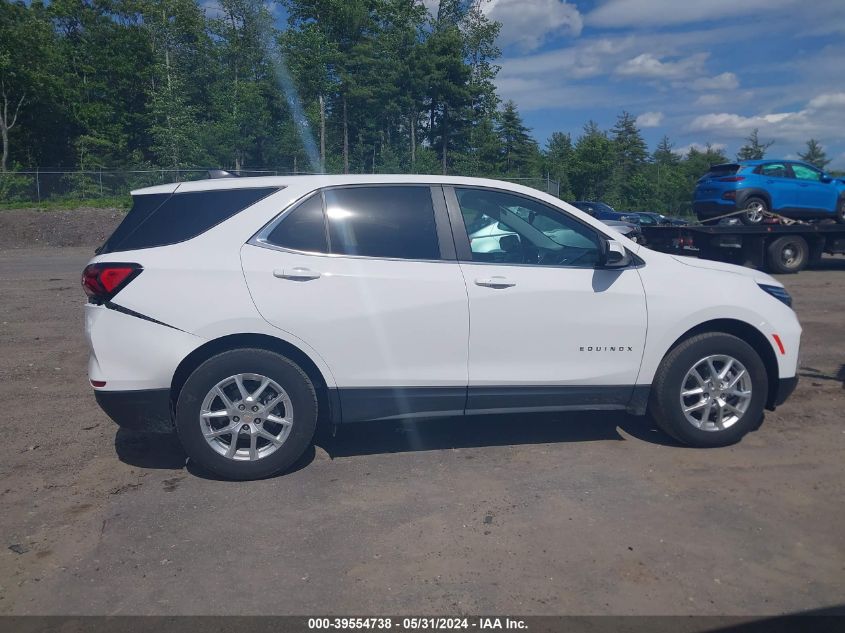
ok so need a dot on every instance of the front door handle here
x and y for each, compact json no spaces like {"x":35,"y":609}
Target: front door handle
{"x":296,"y":274}
{"x":495,"y":282}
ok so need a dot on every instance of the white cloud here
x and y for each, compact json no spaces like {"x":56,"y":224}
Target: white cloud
{"x":829,"y":100}
{"x":652,"y":13}
{"x":725,"y":81}
{"x":527,"y":23}
{"x":684,"y":150}
{"x":648,"y":66}
{"x":650,"y":119}
{"x":821,"y":118}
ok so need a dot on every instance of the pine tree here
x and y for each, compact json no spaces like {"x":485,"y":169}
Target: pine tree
{"x":753,"y":149}
{"x":518,"y":149}
{"x":559,"y":159}
{"x":815,"y":154}
{"x":630,"y":153}
{"x":664,"y":154}
{"x":593,"y":163}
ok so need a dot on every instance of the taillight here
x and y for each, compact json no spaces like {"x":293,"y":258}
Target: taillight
{"x":103,"y":281}
{"x":732,"y":179}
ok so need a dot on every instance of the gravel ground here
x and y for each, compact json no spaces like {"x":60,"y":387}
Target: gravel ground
{"x":548,"y":514}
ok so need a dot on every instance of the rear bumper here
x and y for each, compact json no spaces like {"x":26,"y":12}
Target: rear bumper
{"x":785,"y":388}
{"x":143,"y":410}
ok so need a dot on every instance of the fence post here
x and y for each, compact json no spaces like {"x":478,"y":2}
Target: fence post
{"x":101,"y":182}
{"x":38,"y":185}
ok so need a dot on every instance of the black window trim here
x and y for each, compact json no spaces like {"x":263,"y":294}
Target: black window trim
{"x":787,"y":168}
{"x":441,"y":223}
{"x":462,"y":243}
{"x":271,"y":191}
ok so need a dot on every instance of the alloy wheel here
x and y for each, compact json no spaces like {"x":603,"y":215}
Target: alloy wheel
{"x":246,"y":417}
{"x":754,"y":211}
{"x":715,"y":393}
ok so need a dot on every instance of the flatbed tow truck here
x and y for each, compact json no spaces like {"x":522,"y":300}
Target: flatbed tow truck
{"x":778,"y":245}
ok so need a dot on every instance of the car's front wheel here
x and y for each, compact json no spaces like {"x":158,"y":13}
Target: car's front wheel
{"x":246,"y":414}
{"x":709,"y":390}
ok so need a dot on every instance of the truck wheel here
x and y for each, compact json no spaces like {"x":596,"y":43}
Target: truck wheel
{"x":787,"y":254}
{"x":754,"y":209}
{"x":840,"y":211}
{"x":246,"y":414}
{"x":709,"y":390}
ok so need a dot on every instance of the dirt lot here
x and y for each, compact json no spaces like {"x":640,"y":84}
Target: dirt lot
{"x":547,"y":514}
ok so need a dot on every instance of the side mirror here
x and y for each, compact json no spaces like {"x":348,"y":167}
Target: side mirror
{"x":614,"y":255}
{"x":825,"y":178}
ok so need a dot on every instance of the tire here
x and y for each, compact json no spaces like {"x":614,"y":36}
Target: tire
{"x":666,"y":404}
{"x":287,"y":394}
{"x":755,"y":206}
{"x":840,"y":211}
{"x":787,"y":254}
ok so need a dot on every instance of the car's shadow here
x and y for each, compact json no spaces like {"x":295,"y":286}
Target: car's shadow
{"x":148,"y":450}
{"x":414,"y":435}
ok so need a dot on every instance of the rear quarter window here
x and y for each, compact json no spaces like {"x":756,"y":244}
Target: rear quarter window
{"x":163,"y":219}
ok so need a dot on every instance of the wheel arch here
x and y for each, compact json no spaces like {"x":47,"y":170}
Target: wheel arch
{"x":753,"y":192}
{"x":328,"y":402}
{"x":751,"y":335}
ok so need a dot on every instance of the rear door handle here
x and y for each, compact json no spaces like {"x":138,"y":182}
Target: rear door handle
{"x":296,"y":274}
{"x":495,"y":282}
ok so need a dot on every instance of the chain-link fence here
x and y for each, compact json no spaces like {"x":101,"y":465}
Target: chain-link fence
{"x":35,"y":187}
{"x":42,"y":186}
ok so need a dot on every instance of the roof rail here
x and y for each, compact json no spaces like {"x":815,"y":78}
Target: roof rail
{"x":221,"y":173}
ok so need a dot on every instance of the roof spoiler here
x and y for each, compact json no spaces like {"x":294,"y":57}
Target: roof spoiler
{"x":221,"y":173}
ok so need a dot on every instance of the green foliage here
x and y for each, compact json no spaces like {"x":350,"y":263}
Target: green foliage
{"x":16,"y":187}
{"x":593,"y":162}
{"x":753,"y":148}
{"x":815,"y":154}
{"x":519,"y":155}
{"x":346,"y":86}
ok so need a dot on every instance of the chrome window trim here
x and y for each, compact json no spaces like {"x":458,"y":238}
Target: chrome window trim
{"x":455,"y":211}
{"x":260,"y":238}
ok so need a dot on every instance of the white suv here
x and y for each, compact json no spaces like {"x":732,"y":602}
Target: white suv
{"x":243,"y":310}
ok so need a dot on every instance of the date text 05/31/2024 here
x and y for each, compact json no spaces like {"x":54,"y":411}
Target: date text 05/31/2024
{"x":413,"y":624}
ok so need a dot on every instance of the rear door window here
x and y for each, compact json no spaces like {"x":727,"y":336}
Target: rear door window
{"x":163,"y":219}
{"x":395,"y":221}
{"x":303,"y":229}
{"x":774,"y":170}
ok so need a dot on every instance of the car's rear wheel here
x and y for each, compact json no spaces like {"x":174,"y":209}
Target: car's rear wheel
{"x":709,"y":390}
{"x":755,"y":211}
{"x":840,"y":211}
{"x":246,"y":414}
{"x":787,"y":254}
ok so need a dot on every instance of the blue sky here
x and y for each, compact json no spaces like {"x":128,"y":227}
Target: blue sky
{"x":697,"y":70}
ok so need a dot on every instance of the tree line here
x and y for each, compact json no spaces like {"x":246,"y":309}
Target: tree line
{"x":346,"y":86}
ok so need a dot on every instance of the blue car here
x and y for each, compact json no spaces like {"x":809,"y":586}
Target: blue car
{"x":602,"y":211}
{"x":789,"y":188}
